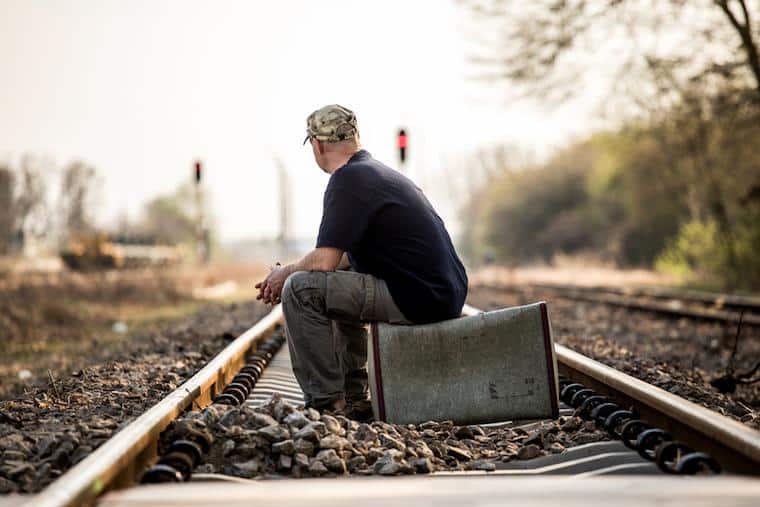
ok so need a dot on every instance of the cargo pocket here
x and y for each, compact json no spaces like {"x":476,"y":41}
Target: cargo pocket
{"x":308,"y":287}
{"x":349,"y":296}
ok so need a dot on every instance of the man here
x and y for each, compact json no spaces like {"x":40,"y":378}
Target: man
{"x":382,"y":254}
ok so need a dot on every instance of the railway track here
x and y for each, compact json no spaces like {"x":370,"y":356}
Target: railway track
{"x":680,"y":303}
{"x":680,"y":436}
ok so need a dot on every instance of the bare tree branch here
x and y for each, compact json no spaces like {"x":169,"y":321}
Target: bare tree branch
{"x":745,"y":33}
{"x":541,"y":45}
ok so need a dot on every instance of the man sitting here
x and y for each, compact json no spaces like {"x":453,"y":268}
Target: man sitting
{"x":382,"y":254}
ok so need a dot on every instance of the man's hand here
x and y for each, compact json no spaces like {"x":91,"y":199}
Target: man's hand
{"x":319,"y":259}
{"x":263,"y":290}
{"x":275,"y":281}
{"x":270,"y":289}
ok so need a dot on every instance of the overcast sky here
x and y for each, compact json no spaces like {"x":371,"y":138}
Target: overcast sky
{"x":139,"y":89}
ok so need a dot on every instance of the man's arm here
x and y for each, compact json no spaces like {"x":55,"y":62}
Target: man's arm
{"x":319,"y":259}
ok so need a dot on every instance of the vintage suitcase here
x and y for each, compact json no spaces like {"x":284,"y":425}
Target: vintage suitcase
{"x":494,"y":366}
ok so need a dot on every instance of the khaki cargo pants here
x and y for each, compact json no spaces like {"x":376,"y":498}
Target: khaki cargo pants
{"x":325,"y":316}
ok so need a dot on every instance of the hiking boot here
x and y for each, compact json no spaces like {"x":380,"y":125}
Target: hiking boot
{"x":360,"y":410}
{"x":325,"y":405}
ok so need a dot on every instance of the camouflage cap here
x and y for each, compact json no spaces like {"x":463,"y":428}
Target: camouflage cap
{"x":331,"y":124}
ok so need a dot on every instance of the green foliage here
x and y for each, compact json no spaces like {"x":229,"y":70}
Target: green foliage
{"x":696,"y":247}
{"x":701,"y":253}
{"x":681,"y":192}
{"x":537,"y":210}
{"x":595,"y":197}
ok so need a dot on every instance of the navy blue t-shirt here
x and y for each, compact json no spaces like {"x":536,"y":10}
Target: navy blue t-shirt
{"x":391,"y":231}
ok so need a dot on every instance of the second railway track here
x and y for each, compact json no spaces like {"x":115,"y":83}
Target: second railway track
{"x":680,"y":435}
{"x":679,"y":303}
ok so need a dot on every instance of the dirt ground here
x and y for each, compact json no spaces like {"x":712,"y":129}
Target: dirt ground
{"x":63,"y":321}
{"x":680,"y":355}
{"x":48,"y":425}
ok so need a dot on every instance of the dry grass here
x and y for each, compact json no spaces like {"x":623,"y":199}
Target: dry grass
{"x":65,"y":320}
{"x":571,"y":273}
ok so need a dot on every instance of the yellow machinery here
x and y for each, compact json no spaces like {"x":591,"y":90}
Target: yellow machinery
{"x":96,"y":252}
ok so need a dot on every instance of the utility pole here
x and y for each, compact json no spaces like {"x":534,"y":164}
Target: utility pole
{"x":202,"y":240}
{"x":283,"y":236}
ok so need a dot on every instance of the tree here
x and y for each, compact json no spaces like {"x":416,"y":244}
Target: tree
{"x":30,"y":203}
{"x":171,"y":219}
{"x":748,"y":33}
{"x":548,"y":47}
{"x":77,"y":186}
{"x":23,"y":203}
{"x":6,"y":209}
{"x":685,"y":87}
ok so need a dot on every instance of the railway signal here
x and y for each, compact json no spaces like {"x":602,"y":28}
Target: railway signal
{"x":198,"y":169}
{"x":203,"y":246}
{"x":401,"y":143}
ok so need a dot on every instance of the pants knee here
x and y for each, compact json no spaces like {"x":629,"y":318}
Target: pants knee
{"x":294,"y":284}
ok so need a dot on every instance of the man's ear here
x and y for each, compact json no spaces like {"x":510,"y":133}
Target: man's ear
{"x":320,"y":147}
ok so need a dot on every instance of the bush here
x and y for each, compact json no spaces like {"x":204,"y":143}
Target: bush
{"x":533,"y":213}
{"x":680,"y":192}
{"x":702,"y":253}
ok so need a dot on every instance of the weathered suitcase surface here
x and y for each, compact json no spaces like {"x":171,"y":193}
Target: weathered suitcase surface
{"x":494,"y":366}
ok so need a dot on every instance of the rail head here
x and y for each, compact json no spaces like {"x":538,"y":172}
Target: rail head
{"x":666,"y":302}
{"x":122,"y":453}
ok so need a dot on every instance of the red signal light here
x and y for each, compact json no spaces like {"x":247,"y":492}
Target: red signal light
{"x":401,"y":142}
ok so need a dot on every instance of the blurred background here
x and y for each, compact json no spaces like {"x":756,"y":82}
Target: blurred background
{"x":151,"y":157}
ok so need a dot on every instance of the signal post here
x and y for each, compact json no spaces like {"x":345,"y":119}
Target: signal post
{"x":202,"y":240}
{"x":402,"y":143}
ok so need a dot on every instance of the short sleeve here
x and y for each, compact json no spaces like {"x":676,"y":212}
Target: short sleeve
{"x":345,"y":218}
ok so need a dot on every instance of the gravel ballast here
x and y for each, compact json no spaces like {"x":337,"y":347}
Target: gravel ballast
{"x":53,"y":426}
{"x":279,"y":439}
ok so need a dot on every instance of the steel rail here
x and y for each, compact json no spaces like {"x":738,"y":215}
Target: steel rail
{"x":118,"y":461}
{"x":666,"y":308}
{"x":715,"y":299}
{"x":733,"y":444}
{"x":623,"y":299}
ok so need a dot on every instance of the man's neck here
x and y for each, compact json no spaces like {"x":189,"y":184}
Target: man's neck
{"x":339,"y":160}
